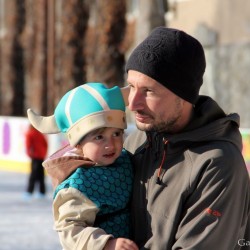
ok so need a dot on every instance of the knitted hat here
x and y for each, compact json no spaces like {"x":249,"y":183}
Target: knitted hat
{"x":84,"y":109}
{"x":172,"y":58}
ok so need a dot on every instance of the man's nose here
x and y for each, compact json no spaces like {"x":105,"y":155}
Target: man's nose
{"x":135,"y":101}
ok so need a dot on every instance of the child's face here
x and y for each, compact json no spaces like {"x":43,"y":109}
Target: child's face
{"x":103,"y":146}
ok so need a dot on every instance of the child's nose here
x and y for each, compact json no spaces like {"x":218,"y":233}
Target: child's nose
{"x":110,"y":144}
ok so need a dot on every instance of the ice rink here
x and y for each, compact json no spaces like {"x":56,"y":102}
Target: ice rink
{"x":25,"y":224}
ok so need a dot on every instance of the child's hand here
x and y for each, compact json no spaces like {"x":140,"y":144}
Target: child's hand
{"x":120,"y":244}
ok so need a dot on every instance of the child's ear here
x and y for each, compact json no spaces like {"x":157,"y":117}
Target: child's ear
{"x":79,"y":149}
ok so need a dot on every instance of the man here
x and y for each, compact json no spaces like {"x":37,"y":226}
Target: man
{"x":191,"y":187}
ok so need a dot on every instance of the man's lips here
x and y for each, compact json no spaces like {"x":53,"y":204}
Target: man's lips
{"x":141,"y":117}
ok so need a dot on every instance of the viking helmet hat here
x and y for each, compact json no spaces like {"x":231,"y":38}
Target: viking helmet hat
{"x":84,"y":109}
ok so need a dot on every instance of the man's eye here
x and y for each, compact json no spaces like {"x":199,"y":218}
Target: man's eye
{"x":149,"y":90}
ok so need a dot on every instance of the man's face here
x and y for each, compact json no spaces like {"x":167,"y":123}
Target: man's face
{"x":156,"y":108}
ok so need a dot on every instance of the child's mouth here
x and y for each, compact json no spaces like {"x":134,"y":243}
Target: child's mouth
{"x":109,"y":155}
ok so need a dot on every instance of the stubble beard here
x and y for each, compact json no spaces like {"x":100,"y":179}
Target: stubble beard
{"x":168,"y":126}
{"x":161,"y":126}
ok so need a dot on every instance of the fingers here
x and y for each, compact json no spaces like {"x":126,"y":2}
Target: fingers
{"x":125,"y":244}
{"x":120,"y":244}
{"x":130,"y":245}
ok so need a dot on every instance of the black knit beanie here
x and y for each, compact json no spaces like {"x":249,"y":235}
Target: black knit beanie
{"x":172,"y":58}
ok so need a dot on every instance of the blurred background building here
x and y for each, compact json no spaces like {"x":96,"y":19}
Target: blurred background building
{"x":223,"y":27}
{"x":48,"y":46}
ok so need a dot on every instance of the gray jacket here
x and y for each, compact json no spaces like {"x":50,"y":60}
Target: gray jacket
{"x":200,"y":197}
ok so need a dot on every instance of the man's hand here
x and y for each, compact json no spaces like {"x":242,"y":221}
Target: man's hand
{"x":120,"y":244}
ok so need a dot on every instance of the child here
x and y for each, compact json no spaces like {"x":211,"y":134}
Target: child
{"x":36,"y":146}
{"x":90,"y":206}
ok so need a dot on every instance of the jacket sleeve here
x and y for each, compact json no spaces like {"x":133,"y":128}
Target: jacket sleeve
{"x":29,"y":145}
{"x":217,"y":210}
{"x":74,"y":216}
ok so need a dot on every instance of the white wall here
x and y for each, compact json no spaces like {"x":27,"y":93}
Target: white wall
{"x":12,"y":143}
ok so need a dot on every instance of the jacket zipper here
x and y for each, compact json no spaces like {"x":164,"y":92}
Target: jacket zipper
{"x":158,"y":180}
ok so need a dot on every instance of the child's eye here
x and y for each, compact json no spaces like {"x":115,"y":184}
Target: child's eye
{"x":98,"y":137}
{"x":117,"y":133}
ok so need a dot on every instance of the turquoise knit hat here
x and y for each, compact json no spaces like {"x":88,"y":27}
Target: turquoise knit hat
{"x":84,"y":109}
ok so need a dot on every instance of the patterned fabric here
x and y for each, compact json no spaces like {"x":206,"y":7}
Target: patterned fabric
{"x":109,"y":188}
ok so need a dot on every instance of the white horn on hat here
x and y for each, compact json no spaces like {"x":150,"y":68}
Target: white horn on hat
{"x":44,"y":124}
{"x":125,"y":93}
